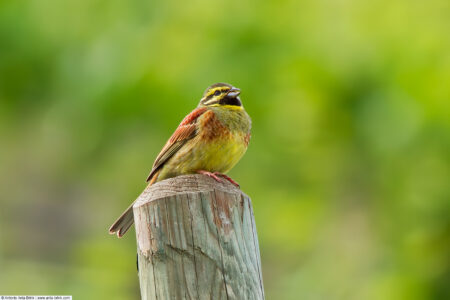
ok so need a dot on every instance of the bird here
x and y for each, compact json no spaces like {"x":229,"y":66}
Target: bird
{"x":210,"y":141}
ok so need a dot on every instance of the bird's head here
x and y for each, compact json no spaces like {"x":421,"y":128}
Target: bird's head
{"x":221,"y":94}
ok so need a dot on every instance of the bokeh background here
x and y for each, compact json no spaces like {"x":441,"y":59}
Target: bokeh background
{"x":348,"y":166}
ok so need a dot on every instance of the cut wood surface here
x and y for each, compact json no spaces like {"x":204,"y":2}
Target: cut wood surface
{"x":197,"y":240}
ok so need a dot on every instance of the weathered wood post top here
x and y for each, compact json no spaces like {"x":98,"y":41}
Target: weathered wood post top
{"x":197,"y":240}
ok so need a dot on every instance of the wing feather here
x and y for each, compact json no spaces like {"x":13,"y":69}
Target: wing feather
{"x":185,"y":131}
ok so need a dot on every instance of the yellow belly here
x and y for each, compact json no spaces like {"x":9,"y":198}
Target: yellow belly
{"x":217,"y":155}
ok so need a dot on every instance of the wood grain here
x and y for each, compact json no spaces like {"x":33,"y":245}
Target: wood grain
{"x":197,"y":240}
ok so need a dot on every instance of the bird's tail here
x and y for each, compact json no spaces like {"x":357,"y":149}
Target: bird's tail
{"x":123,"y":223}
{"x":126,"y":219}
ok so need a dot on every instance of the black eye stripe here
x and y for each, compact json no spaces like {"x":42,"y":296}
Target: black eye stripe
{"x":221,"y":91}
{"x":216,"y":93}
{"x":209,"y":97}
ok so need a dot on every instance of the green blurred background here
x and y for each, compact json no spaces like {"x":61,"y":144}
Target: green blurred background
{"x":348,"y":166}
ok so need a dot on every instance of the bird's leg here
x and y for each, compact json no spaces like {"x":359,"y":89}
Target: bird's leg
{"x":227,"y":178}
{"x":209,"y":174}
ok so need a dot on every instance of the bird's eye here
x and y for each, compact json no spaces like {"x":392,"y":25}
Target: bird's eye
{"x":217,"y":93}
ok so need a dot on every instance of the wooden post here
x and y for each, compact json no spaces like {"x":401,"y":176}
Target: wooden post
{"x":197,"y":240}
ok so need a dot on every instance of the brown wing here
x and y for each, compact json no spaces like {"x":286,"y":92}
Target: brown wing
{"x":185,"y":131}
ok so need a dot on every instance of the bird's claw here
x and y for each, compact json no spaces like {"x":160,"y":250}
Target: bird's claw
{"x":228,"y":178}
{"x":216,"y":177}
{"x":212,"y":175}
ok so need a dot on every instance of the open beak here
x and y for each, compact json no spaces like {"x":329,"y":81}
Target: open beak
{"x":234,"y":92}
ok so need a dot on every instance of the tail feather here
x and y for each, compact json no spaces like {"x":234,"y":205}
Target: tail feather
{"x":123,"y":223}
{"x":126,"y":219}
